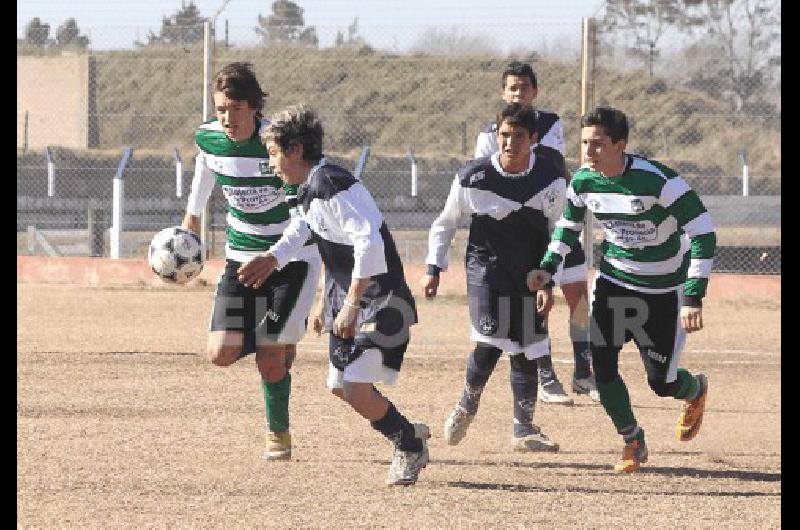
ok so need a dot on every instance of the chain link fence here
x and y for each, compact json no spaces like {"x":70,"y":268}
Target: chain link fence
{"x":418,"y":110}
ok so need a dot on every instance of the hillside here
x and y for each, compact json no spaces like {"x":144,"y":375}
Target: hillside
{"x":152,"y":99}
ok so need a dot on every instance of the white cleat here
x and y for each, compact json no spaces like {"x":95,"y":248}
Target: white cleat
{"x":406,"y":465}
{"x":553,"y":392}
{"x":456,"y":425}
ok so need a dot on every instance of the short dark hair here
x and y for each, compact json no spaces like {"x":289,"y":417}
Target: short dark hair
{"x":613,"y":121}
{"x":519,"y":69}
{"x":237,"y":81}
{"x":517,"y":114}
{"x":297,"y":124}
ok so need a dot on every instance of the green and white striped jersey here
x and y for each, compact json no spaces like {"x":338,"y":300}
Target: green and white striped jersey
{"x":257,"y":210}
{"x":658,"y":234}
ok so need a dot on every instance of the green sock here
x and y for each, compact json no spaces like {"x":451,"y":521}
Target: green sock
{"x":615,"y":399}
{"x":276,"y":398}
{"x":688,"y":385}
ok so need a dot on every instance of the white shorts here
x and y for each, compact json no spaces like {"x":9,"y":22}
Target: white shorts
{"x":574,"y":274}
{"x":296,"y":325}
{"x":368,"y":368}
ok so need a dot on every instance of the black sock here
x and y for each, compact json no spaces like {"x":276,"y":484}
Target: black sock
{"x":583,"y":360}
{"x":524,"y":379}
{"x":545,"y":366}
{"x":398,"y":430}
{"x":480,"y":366}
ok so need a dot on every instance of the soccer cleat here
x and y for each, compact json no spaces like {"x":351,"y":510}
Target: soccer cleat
{"x":279,"y":446}
{"x":633,"y":455}
{"x":455,"y":427}
{"x":406,"y":465}
{"x":587,"y":386}
{"x":534,"y":443}
{"x":553,"y":392}
{"x":692,"y":414}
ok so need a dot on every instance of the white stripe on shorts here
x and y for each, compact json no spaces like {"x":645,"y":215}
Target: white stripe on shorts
{"x":368,"y":368}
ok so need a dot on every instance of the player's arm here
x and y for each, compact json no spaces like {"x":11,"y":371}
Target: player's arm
{"x":685,"y":206}
{"x":202,"y":186}
{"x":565,"y":237}
{"x":294,"y":237}
{"x":441,"y":236}
{"x":360,"y":219}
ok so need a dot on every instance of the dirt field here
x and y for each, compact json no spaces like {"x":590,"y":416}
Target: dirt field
{"x":122,"y":423}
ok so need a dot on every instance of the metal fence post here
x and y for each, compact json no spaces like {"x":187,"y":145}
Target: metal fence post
{"x":205,"y":220}
{"x":25,"y":134}
{"x":178,"y":174}
{"x":745,"y":173}
{"x":413,"y":161}
{"x":587,"y":100}
{"x":118,"y":205}
{"x":51,"y":172}
{"x":95,"y":224}
{"x":362,"y":161}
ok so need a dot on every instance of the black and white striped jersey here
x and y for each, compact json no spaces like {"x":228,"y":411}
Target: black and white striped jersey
{"x":352,"y":237}
{"x":512,"y":216}
{"x":548,"y":125}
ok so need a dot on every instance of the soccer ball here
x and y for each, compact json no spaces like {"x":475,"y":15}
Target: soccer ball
{"x":176,"y":255}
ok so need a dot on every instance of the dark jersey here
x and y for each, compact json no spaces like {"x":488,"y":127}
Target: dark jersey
{"x":511,"y":219}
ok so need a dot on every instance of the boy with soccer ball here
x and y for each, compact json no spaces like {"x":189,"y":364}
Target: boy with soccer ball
{"x":267,"y":317}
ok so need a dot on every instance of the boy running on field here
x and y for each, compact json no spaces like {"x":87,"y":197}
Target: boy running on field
{"x":657,"y":258}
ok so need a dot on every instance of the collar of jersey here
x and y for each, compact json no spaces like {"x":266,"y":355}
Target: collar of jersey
{"x":496,"y":163}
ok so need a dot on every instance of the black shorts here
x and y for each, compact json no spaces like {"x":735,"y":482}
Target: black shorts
{"x":268,"y":314}
{"x":384,"y":324}
{"x":498,"y":318}
{"x":651,"y":320}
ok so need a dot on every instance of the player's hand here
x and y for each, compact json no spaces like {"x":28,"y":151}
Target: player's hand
{"x":544,"y":302}
{"x":256,"y":271}
{"x":537,"y":278}
{"x":430,"y":285}
{"x":344,"y":326}
{"x":318,"y":318}
{"x":692,"y":318}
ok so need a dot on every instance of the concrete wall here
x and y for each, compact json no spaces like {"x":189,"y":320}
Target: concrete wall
{"x":55,"y":92}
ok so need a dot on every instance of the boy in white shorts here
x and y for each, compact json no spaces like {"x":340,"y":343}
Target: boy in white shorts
{"x":369,"y":307}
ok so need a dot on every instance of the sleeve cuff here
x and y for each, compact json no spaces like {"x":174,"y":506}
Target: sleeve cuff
{"x":280,"y":257}
{"x":433,"y":270}
{"x":549,"y":267}
{"x":692,"y":301}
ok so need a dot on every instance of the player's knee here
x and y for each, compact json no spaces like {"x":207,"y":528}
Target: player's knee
{"x":660,"y":387}
{"x":485,"y":356}
{"x":523,"y":365}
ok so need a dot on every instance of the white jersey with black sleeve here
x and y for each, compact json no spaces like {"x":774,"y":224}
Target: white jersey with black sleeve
{"x":341,"y":216}
{"x":512,"y":216}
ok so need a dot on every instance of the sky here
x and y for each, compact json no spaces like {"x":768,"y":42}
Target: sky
{"x":385,"y":24}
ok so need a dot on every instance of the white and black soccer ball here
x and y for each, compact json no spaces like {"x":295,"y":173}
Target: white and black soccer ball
{"x":176,"y":255}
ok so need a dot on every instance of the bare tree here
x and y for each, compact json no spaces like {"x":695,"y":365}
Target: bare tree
{"x":748,"y":33}
{"x":286,"y":25}
{"x":645,"y":23}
